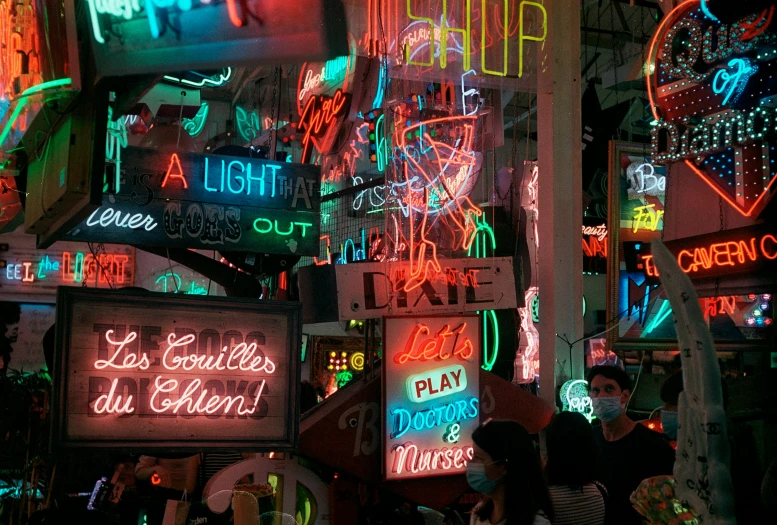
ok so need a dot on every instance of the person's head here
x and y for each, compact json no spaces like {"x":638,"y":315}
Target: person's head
{"x":670,"y":394}
{"x":10,"y":315}
{"x":610,"y":391}
{"x":505,"y":459}
{"x":572,"y":450}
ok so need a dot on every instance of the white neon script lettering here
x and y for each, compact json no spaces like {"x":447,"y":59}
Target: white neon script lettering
{"x":130,"y":360}
{"x":110,"y":216}
{"x":200,"y":406}
{"x":600,"y":232}
{"x":312,"y":82}
{"x":242,"y":357}
{"x":102,"y":404}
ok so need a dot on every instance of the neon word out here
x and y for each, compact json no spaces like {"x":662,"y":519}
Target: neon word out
{"x":437,"y":383}
{"x":421,"y":420}
{"x":441,"y":346}
{"x":262,"y":225}
{"x":169,"y":392}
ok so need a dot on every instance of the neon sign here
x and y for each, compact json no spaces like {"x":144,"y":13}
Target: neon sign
{"x":647,"y":217}
{"x":429,"y":36}
{"x":707,"y":98}
{"x":575,"y":398}
{"x":247,"y":124}
{"x":195,"y":125}
{"x":154,"y":362}
{"x":162,"y":283}
{"x":205,"y":201}
{"x":317,"y":122}
{"x":423,"y":436}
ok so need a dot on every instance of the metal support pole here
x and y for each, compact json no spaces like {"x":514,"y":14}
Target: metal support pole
{"x":560,"y":210}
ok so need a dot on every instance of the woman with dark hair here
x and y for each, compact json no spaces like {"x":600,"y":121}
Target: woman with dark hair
{"x":571,"y":471}
{"x":506,"y":468}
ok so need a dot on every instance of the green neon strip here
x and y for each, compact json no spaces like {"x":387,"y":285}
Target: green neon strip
{"x":22,"y":102}
{"x":46,"y":85}
{"x":662,"y":314}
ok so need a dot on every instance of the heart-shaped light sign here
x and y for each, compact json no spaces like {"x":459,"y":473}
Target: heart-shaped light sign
{"x":714,"y":100}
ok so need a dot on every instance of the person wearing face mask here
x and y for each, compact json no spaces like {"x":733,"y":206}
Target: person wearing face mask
{"x":670,"y":393}
{"x":506,"y":469}
{"x":628,"y":452}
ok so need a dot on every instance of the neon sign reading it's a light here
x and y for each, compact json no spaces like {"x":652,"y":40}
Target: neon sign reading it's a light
{"x":435,"y":347}
{"x":448,"y":413}
{"x":721,"y":255}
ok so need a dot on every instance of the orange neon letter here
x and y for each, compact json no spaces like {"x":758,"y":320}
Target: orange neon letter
{"x":680,"y":255}
{"x":763,"y":246}
{"x":175,"y":163}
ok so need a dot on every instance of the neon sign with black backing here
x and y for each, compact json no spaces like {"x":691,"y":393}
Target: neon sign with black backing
{"x":709,"y":83}
{"x":188,"y":200}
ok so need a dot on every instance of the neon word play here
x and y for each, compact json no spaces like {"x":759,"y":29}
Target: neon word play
{"x":436,"y":383}
{"x":430,"y":418}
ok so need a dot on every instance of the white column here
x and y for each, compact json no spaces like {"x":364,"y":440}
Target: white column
{"x":560,"y":197}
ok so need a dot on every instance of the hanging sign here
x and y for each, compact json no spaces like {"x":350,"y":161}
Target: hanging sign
{"x":371,"y":290}
{"x":174,"y":35}
{"x":188,"y":200}
{"x":431,"y":395}
{"x":30,"y":271}
{"x":751,"y":250}
{"x":155,"y":371}
{"x":710,"y":92}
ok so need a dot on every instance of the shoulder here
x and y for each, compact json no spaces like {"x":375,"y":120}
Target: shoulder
{"x":650,"y":437}
{"x":541,"y":519}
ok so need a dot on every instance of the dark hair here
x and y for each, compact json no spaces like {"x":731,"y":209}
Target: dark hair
{"x":572,"y":450}
{"x":670,"y":390}
{"x":611,"y":372}
{"x":525,"y":490}
{"x":10,"y":313}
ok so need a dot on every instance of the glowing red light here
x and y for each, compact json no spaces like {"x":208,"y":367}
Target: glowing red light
{"x":156,"y":479}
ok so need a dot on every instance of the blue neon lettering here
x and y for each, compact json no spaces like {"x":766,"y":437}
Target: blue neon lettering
{"x":736,"y":81}
{"x":404,"y":420}
{"x":237,"y":177}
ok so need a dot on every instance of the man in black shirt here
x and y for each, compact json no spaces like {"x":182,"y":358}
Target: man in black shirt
{"x":628,"y":452}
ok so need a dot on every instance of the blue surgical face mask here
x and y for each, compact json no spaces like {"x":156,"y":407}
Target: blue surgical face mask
{"x":477,"y":479}
{"x":670,"y":423}
{"x":607,"y":408}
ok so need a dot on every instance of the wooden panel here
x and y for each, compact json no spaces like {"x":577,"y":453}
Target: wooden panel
{"x":240,"y":389}
{"x":365,"y":290}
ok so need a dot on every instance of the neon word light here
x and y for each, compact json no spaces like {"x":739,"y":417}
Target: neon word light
{"x":646,"y":217}
{"x":436,"y":383}
{"x":575,"y":398}
{"x":431,"y":418}
{"x":74,"y":268}
{"x":733,"y":83}
{"x":466,"y":33}
{"x":434,"y":348}
{"x":111,"y":217}
{"x":721,"y":255}
{"x":407,"y":457}
{"x":317,"y":121}
{"x":193,"y":395}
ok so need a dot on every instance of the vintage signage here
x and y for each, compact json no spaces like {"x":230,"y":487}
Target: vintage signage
{"x":708,"y":88}
{"x":156,"y":371}
{"x":371,"y":290}
{"x":431,"y":402}
{"x":188,"y":200}
{"x":167,"y":35}
{"x":31,"y":271}
{"x":743,"y":250}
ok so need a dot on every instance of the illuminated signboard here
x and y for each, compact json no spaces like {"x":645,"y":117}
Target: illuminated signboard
{"x":431,"y":384}
{"x":156,"y":371}
{"x":371,"y":290}
{"x":710,"y":91}
{"x":209,"y":202}
{"x":636,"y":216}
{"x":575,"y":398}
{"x":594,"y":245}
{"x":742,"y":250}
{"x":31,"y":271}
{"x":133,"y":37}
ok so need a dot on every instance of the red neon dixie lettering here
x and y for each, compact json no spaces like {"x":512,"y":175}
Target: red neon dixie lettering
{"x":434,"y":348}
{"x":318,"y":121}
{"x":722,"y":254}
{"x":407,"y":458}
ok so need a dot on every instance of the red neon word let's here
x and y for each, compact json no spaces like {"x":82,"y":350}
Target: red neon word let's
{"x":435,"y":347}
{"x":721,"y":255}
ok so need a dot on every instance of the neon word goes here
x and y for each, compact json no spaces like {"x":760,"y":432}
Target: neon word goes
{"x":437,"y":383}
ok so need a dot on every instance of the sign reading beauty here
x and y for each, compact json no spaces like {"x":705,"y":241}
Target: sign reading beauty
{"x":187,"y":200}
{"x":431,"y":405}
{"x":710,"y":90}
{"x":371,"y":290}
{"x":154,"y":371}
